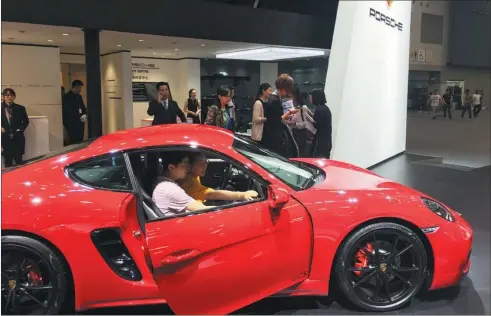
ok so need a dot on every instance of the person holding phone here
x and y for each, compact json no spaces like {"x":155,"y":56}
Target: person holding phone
{"x":165,"y":110}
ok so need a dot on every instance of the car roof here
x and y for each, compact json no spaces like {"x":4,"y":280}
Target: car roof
{"x":163,"y":135}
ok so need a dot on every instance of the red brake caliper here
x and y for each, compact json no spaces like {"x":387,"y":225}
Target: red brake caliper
{"x":361,"y":260}
{"x":34,"y":277}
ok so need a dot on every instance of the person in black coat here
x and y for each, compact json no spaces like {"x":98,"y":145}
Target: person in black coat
{"x":74,"y":113}
{"x":14,"y":123}
{"x":277,"y":137}
{"x":322,"y":143}
{"x":165,"y":110}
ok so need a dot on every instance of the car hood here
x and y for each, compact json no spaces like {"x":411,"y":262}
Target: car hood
{"x":344,"y":176}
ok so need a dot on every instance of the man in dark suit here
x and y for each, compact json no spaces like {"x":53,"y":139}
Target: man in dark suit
{"x":165,"y":110}
{"x":74,"y":113}
{"x":14,"y":123}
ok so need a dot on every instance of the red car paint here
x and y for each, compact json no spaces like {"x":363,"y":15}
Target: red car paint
{"x":241,"y":255}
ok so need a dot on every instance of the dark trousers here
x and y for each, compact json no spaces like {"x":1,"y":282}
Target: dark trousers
{"x":466,"y":109}
{"x":477,"y":109}
{"x":447,"y":107}
{"x":10,"y":157}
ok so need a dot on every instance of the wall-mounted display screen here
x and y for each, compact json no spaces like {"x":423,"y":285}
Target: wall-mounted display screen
{"x":144,"y":91}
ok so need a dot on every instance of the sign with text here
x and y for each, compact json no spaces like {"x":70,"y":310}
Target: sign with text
{"x":143,"y":72}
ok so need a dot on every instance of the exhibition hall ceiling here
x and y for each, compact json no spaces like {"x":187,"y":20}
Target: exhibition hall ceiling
{"x":71,"y":40}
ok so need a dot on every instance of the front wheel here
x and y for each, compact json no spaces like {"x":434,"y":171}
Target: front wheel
{"x":34,"y":279}
{"x":381,"y":267}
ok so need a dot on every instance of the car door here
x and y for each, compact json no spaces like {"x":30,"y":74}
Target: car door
{"x":217,"y":261}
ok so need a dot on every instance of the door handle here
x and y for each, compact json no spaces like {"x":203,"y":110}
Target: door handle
{"x":179,"y":256}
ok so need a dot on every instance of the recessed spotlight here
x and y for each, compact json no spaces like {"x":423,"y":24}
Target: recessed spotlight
{"x":176,"y":49}
{"x":65,"y":34}
{"x":154,"y":53}
{"x":203,"y":45}
{"x":119,"y":45}
{"x":140,"y":40}
{"x":11,"y":38}
{"x":51,"y":41}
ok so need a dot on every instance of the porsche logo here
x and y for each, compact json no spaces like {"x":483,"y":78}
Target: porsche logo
{"x":12,"y":284}
{"x":389,"y":3}
{"x":383,"y":267}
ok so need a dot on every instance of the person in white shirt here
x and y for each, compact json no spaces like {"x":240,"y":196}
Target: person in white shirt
{"x":476,"y":102}
{"x":435,"y":101}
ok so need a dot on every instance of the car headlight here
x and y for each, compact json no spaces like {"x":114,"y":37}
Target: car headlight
{"x":438,"y":209}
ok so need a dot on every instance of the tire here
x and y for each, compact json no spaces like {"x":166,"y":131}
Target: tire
{"x":50,"y":275}
{"x":371,"y":284}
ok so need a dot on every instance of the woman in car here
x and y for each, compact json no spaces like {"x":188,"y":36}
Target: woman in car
{"x":193,"y":187}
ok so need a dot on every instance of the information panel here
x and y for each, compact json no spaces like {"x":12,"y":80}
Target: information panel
{"x":144,"y":91}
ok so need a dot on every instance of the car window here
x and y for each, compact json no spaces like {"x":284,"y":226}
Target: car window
{"x":295,"y":174}
{"x":62,"y":151}
{"x":107,"y":173}
{"x":219,"y":175}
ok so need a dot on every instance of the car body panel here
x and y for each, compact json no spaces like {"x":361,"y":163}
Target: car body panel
{"x":235,"y":252}
{"x":40,"y":199}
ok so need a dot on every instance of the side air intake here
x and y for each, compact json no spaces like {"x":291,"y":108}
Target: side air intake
{"x":111,"y":247}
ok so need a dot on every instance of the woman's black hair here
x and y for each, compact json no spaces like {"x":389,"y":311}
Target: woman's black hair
{"x":318,"y":97}
{"x":222,"y":91}
{"x":7,"y":91}
{"x":190,"y":91}
{"x":263,"y":87}
{"x":193,"y":157}
{"x":299,"y":100}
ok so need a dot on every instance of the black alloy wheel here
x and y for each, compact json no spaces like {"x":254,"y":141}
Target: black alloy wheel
{"x":381,"y":267}
{"x":33,"y":277}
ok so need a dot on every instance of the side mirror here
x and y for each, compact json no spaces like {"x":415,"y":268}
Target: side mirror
{"x":277,"y":197}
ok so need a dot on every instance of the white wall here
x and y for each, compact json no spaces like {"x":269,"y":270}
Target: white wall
{"x":268,"y":72}
{"x":72,"y":59}
{"x":436,"y":54}
{"x":34,"y":73}
{"x":181,"y":75}
{"x":366,"y":82}
{"x":117,"y":100}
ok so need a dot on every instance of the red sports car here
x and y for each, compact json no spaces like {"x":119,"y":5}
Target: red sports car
{"x":80,"y":228}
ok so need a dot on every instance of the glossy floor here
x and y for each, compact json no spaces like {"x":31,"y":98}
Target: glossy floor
{"x":465,"y":190}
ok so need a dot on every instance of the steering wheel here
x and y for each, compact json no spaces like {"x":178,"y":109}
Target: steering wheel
{"x":227,"y":175}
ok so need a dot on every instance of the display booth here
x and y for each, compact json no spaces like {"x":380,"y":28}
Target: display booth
{"x":37,"y":137}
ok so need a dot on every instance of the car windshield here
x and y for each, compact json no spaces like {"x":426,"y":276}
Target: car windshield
{"x":295,"y":174}
{"x":51,"y":154}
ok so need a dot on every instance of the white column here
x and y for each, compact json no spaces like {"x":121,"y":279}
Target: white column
{"x":268,"y":72}
{"x":366,"y":82}
{"x":189,"y":73}
{"x":117,"y":99}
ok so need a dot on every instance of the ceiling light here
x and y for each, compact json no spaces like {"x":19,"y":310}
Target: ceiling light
{"x":271,"y":53}
{"x":50,"y":41}
{"x":140,"y":40}
{"x":154,"y":53}
{"x":65,"y":34}
{"x":203,"y":45}
{"x":119,"y":45}
{"x":176,"y":49}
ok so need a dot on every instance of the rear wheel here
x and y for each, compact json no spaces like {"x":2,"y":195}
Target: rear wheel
{"x":34,"y":279}
{"x":381,"y":267}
